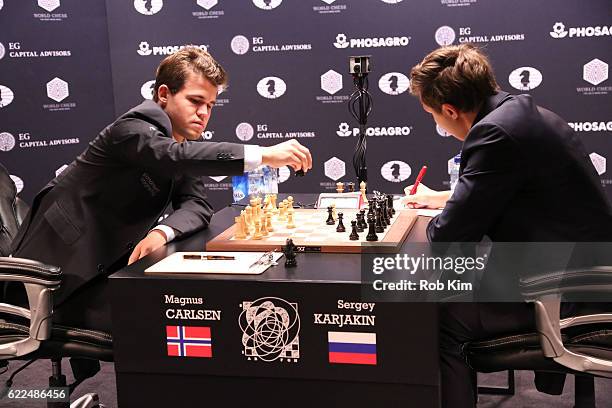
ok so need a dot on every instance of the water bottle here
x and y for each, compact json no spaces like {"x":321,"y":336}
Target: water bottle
{"x":453,"y":170}
{"x":256,"y":182}
{"x":270,"y":180}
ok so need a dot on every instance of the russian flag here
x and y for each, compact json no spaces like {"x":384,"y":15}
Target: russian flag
{"x":189,"y":341}
{"x":352,"y":347}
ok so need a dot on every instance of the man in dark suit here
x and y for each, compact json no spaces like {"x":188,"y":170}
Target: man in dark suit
{"x":524,"y":177}
{"x":105,"y":206}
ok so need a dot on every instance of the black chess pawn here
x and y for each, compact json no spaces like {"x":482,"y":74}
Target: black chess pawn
{"x":350,"y":187}
{"x":289,"y":251}
{"x":354,"y":235}
{"x":390,"y":204}
{"x":371,"y":231}
{"x":378,"y":226}
{"x":361,"y":221}
{"x":340,"y":227}
{"x":330,"y":216}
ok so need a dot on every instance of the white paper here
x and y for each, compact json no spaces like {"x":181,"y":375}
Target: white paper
{"x":245,"y":263}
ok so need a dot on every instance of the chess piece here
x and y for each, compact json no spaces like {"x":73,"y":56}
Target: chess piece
{"x":249,"y":216}
{"x":264,"y":227}
{"x":282,"y":211}
{"x":354,"y":235}
{"x":289,"y":251}
{"x":257,"y":233}
{"x":371,"y":207}
{"x":361,"y":224}
{"x":340,"y":187}
{"x":245,"y":226}
{"x":378,"y":222}
{"x":239,"y":231}
{"x":390,"y":203}
{"x":330,"y":216}
{"x":371,"y":231}
{"x":362,"y":188}
{"x":340,"y":227}
{"x":269,"y":222}
{"x":334,"y":212}
{"x":350,"y":187}
{"x":290,"y":201}
{"x":290,"y":223}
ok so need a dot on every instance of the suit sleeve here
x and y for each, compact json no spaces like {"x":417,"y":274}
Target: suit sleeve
{"x":135,"y":141}
{"x":191,"y":210}
{"x":493,"y":172}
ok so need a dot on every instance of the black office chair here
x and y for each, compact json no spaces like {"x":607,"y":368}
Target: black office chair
{"x":27,"y":333}
{"x":580,"y":345}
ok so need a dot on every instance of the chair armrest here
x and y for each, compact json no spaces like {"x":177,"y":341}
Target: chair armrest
{"x":592,"y":279}
{"x":40,"y":280}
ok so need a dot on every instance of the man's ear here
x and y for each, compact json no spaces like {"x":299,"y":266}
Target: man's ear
{"x":450,"y":111}
{"x":162,"y":95}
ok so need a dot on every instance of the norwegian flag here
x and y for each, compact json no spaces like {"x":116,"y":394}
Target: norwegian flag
{"x":189,"y":341}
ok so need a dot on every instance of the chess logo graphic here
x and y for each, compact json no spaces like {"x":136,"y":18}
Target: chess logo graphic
{"x":1,"y":4}
{"x":271,"y":87}
{"x":49,"y":5}
{"x":328,"y":1}
{"x":392,"y":1}
{"x":270,"y":330}
{"x":331,"y":82}
{"x":445,"y":35}
{"x":341,"y":41}
{"x":6,"y":96}
{"x":595,"y":71}
{"x":240,"y":45}
{"x":344,"y":130}
{"x":18,"y":183}
{"x":267,"y":4}
{"x":146,"y":90}
{"x":244,"y":131}
{"x":148,"y":7}
{"x":395,"y":171}
{"x":2,"y":51}
{"x":57,"y":89}
{"x":442,"y":132}
{"x":218,"y":179}
{"x":283,"y":174}
{"x":144,"y":48}
{"x":525,"y":78}
{"x":207,"y":4}
{"x":394,"y":83}
{"x":599,"y":162}
{"x":189,"y":341}
{"x":334,"y":168}
{"x":558,"y":30}
{"x":60,"y":169}
{"x":7,"y":142}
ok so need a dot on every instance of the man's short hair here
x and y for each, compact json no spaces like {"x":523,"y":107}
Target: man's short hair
{"x":174,"y":69}
{"x":460,"y":75}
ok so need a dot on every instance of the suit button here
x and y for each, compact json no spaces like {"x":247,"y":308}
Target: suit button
{"x":129,"y":246}
{"x":100,"y":268}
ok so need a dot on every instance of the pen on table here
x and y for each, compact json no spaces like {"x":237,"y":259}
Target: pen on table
{"x":209,"y":257}
{"x":418,"y":180}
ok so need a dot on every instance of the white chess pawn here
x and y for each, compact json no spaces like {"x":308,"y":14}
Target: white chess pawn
{"x":239,"y":231}
{"x":290,"y":223}
{"x":257,"y":234}
{"x":269,"y":222}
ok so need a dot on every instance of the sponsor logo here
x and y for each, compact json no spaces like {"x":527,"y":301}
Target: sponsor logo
{"x":7,"y":142}
{"x":266,"y":132}
{"x":271,"y":87}
{"x":16,"y":51}
{"x":57,"y":89}
{"x":49,"y":6}
{"x":145,"y":49}
{"x":207,"y":134}
{"x":18,"y":183}
{"x":599,"y":162}
{"x":207,"y":5}
{"x":591,"y":126}
{"x":595,"y":71}
{"x":394,"y":83}
{"x":331,"y":82}
{"x":148,"y":7}
{"x":446,"y":35}
{"x":457,"y":3}
{"x":146,"y":90}
{"x":27,"y":141}
{"x":240,"y":45}
{"x":283,"y":174}
{"x":334,"y":168}
{"x":61,"y":169}
{"x":395,"y":171}
{"x":244,"y":131}
{"x":270,"y":330}
{"x":6,"y":96}
{"x":525,"y":78}
{"x":345,"y":131}
{"x":560,"y":31}
{"x":329,"y":8}
{"x":342,"y":41}
{"x":442,"y":132}
{"x":267,"y":4}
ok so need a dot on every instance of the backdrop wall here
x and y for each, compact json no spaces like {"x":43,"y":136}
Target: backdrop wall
{"x":288,"y":66}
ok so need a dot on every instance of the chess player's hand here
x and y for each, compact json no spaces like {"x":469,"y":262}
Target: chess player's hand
{"x":289,"y":153}
{"x":425,"y":197}
{"x":150,"y":243}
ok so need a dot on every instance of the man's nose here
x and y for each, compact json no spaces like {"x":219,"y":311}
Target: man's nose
{"x":202,"y":111}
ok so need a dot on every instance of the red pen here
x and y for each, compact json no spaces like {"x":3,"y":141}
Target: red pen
{"x":418,"y":180}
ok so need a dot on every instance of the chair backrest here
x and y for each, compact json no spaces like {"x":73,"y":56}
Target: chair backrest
{"x":12,"y":211}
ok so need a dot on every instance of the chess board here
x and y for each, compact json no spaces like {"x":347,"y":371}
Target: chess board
{"x":312,"y":234}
